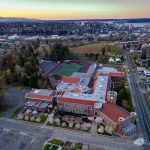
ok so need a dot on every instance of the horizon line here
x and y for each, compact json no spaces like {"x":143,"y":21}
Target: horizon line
{"x":1,"y":17}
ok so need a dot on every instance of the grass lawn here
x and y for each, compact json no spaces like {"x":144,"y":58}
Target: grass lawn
{"x":130,"y":107}
{"x":50,"y":147}
{"x":78,"y":145}
{"x":43,"y":118}
{"x":17,"y":110}
{"x":67,"y":69}
{"x":17,"y":86}
{"x":95,"y":48}
{"x":55,"y":141}
{"x":3,"y":110}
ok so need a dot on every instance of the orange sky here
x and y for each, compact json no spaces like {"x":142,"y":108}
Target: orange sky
{"x":75,"y":9}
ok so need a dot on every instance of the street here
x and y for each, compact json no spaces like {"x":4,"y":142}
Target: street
{"x":42,"y":133}
{"x":140,"y":104}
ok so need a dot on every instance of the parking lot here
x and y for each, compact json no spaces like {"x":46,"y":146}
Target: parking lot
{"x":14,"y":140}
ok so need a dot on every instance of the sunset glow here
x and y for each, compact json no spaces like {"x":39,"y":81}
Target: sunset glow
{"x":75,"y":9}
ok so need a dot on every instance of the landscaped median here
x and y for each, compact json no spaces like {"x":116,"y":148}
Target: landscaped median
{"x":40,"y":119}
{"x":86,"y":127}
{"x":16,"y":111}
{"x":55,"y":144}
{"x":104,"y":130}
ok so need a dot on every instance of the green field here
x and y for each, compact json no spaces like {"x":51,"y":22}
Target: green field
{"x":67,"y":69}
{"x":112,"y":49}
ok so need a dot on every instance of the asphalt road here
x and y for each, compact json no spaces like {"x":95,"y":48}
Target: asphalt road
{"x":42,"y":133}
{"x":140,"y":104}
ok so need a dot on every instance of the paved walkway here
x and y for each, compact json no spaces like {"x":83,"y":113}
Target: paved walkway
{"x":94,"y":129}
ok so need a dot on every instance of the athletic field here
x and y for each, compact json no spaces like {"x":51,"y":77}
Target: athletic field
{"x":67,"y":69}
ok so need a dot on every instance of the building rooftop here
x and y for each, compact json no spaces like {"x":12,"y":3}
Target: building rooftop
{"x":40,"y":94}
{"x":108,"y":69}
{"x":97,"y":95}
{"x":76,"y":101}
{"x":129,"y":127}
{"x":114,"y":112}
{"x":70,"y":79}
{"x":85,"y":78}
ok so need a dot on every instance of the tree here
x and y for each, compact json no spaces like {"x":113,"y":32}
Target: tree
{"x":143,"y":55}
{"x":120,"y":86}
{"x":60,"y":52}
{"x":121,"y":95}
{"x":103,"y":51}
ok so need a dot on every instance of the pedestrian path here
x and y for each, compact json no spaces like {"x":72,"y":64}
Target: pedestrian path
{"x":94,"y":129}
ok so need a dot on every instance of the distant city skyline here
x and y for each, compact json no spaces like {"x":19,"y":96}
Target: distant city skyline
{"x":75,"y":9}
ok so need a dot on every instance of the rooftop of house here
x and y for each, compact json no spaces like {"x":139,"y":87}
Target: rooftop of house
{"x":40,"y":94}
{"x":114,"y":112}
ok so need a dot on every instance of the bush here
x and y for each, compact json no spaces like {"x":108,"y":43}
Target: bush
{"x":16,"y":111}
{"x":51,"y":120}
{"x":64,"y":124}
{"x":70,"y":125}
{"x":38,"y":120}
{"x":101,"y":129}
{"x":32,"y":119}
{"x":43,"y":118}
{"x":20,"y":116}
{"x":78,"y":145}
{"x":26,"y":118}
{"x":77,"y":126}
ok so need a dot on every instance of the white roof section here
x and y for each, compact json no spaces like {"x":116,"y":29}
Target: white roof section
{"x":98,"y":105}
{"x":99,"y":94}
{"x":108,"y":69}
{"x":66,"y":87}
{"x":91,"y":69}
{"x":44,"y":92}
{"x":85,"y":78}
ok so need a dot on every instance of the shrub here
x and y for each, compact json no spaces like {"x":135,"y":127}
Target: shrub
{"x":20,"y":116}
{"x":64,"y":124}
{"x":26,"y":118}
{"x":32,"y":119}
{"x":70,"y":124}
{"x":38,"y":120}
{"x":101,"y":129}
{"x":77,"y":126}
